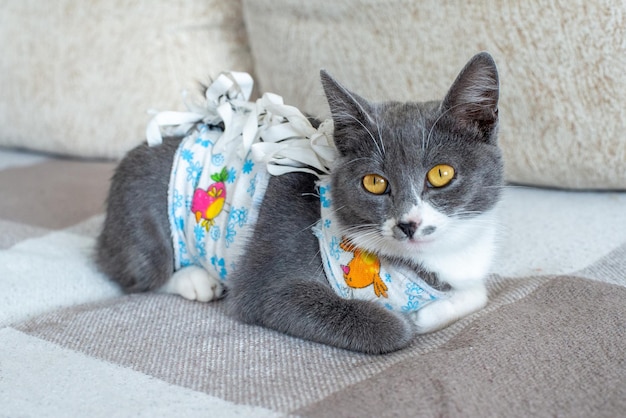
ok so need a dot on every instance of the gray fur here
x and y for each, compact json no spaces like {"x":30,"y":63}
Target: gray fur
{"x":280,"y":283}
{"x":135,"y":247}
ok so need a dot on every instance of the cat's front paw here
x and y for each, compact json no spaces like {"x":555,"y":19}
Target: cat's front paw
{"x":194,"y":283}
{"x":434,"y":317}
{"x":444,"y":312}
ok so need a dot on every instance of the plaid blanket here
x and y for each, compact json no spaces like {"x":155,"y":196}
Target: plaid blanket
{"x":551,"y":342}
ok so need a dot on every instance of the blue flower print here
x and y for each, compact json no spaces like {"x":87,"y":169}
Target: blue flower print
{"x":177,"y":200}
{"x":387,"y":278}
{"x":201,"y":249}
{"x":203,"y":142}
{"x":220,"y":266}
{"x":232,"y":175}
{"x":417,"y":297}
{"x":186,"y":155}
{"x":183,"y":247}
{"x":334,"y":248}
{"x":229,"y":237}
{"x":193,"y":172}
{"x":179,"y":221}
{"x":413,"y":290}
{"x":411,"y":306}
{"x":325,"y":196}
{"x":238,"y":216}
{"x":247,"y":167}
{"x":327,"y":223}
{"x":252,"y":189}
{"x":199,"y":232}
{"x":217,"y":159}
{"x":202,"y":138}
{"x":215,"y":233}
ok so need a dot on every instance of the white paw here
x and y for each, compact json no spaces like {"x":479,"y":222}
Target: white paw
{"x":194,"y":283}
{"x":442,"y":313}
{"x":434,"y":316}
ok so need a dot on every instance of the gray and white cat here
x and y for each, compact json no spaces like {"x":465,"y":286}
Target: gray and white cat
{"x":415,"y":184}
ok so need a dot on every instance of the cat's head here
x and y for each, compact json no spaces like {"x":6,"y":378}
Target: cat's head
{"x":415,"y":176}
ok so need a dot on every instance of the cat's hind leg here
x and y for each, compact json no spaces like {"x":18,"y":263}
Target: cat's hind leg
{"x":194,"y":283}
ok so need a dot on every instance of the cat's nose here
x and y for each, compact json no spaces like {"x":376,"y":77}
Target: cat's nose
{"x":408,"y":228}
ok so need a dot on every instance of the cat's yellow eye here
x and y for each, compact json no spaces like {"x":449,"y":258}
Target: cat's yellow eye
{"x":375,"y":184}
{"x":440,"y":175}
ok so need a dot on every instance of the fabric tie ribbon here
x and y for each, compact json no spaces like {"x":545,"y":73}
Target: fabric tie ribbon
{"x":277,"y":134}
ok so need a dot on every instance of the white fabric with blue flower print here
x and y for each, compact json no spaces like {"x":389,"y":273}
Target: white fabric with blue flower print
{"x":214,"y":198}
{"x":221,"y":169}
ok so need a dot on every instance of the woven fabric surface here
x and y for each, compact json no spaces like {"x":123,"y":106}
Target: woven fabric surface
{"x":549,"y":343}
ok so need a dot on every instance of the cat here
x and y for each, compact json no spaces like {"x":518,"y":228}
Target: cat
{"x":415,"y":185}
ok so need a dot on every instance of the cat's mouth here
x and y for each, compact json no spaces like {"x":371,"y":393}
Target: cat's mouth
{"x":418,"y":242}
{"x":407,"y":247}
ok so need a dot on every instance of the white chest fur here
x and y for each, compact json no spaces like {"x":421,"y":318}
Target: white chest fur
{"x":464,"y":251}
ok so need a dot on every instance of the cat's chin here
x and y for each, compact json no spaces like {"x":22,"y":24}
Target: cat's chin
{"x":416,"y":248}
{"x":418,"y":243}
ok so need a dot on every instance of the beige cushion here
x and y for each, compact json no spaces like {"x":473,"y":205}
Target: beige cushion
{"x":77,"y":77}
{"x":562,"y":69}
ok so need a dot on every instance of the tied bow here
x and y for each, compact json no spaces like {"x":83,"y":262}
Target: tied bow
{"x":276,"y":134}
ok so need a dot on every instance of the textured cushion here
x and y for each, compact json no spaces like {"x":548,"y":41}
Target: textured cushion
{"x":562,"y":69}
{"x":78,"y":77}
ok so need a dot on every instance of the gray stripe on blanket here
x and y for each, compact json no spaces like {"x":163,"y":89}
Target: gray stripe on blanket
{"x":54,"y":194}
{"x":557,"y":352}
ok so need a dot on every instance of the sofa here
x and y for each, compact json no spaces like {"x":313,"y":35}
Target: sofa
{"x":79,"y":82}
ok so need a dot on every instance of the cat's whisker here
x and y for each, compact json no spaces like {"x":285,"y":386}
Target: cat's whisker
{"x":357,"y":159}
{"x":490,"y":222}
{"x":486,"y":224}
{"x":315,"y":259}
{"x":362,"y":230}
{"x":308,"y":227}
{"x":476,"y":220}
{"x":380,"y":137}
{"x":315,"y":223}
{"x":380,"y":151}
{"x":376,"y":244}
{"x":515,"y":186}
{"x":494,"y":186}
{"x":430,"y":132}
{"x":335,"y":210}
{"x":465,"y":213}
{"x":372,"y":225}
{"x":371,"y":238}
{"x":423,"y":129}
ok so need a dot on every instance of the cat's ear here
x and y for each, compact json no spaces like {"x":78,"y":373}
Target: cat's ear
{"x":350,"y":112}
{"x":473,"y":98}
